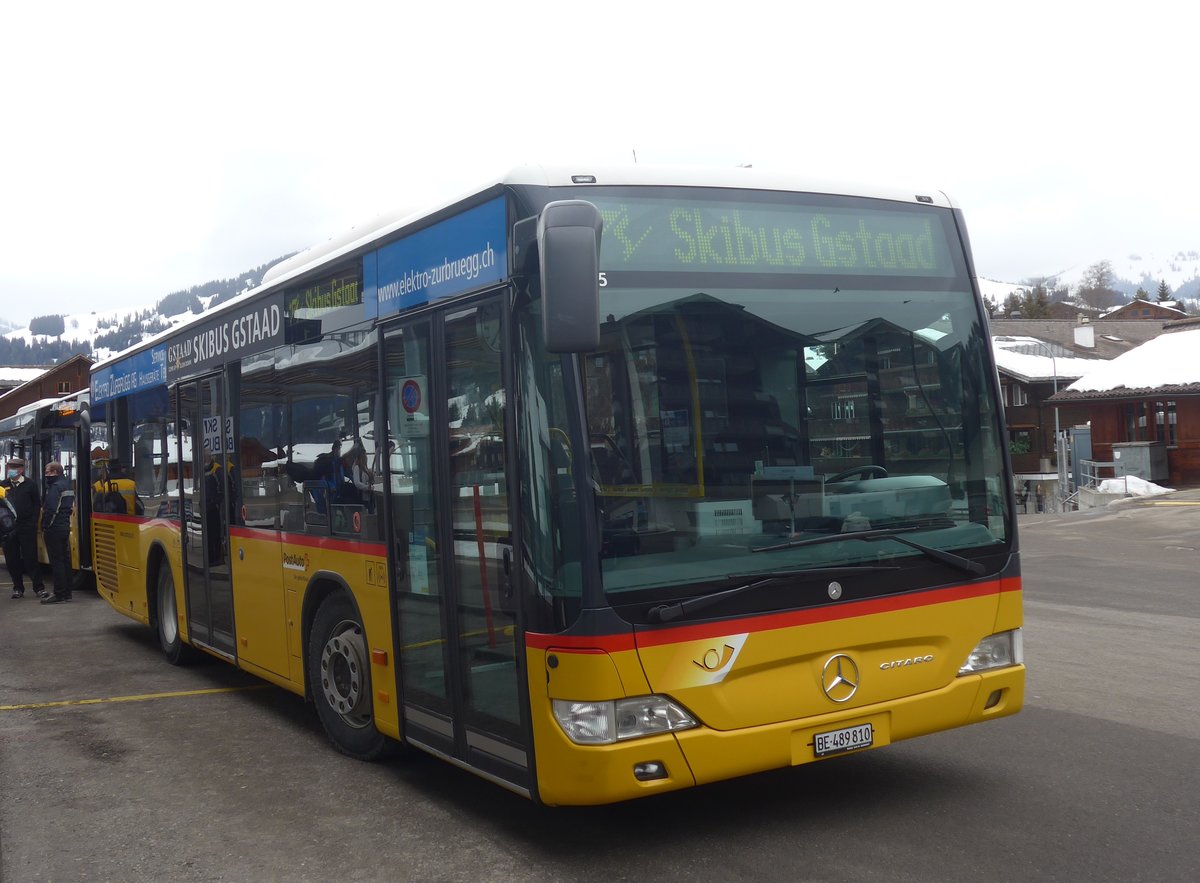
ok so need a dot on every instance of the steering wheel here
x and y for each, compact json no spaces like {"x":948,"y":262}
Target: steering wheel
{"x":862,"y":471}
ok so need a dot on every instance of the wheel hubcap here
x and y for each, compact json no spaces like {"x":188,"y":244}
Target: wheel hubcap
{"x":343,"y":674}
{"x":168,"y":621}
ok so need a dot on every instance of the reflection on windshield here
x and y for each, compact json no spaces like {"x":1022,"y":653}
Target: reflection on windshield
{"x":720,"y":422}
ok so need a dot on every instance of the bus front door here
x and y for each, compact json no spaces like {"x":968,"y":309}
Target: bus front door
{"x":452,"y":540}
{"x":206,"y":451}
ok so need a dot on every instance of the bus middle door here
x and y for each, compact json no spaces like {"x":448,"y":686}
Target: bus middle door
{"x":207,"y":451}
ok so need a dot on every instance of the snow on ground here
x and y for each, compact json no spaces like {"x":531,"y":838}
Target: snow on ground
{"x":1134,"y":486}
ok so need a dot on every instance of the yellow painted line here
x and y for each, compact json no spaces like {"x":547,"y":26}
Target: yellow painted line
{"x":1174,"y":503}
{"x":142,"y":698}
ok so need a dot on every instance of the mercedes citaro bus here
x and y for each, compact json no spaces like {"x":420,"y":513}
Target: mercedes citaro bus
{"x":599,"y":483}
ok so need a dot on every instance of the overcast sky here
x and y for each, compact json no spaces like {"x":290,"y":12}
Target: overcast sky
{"x":145,"y":148}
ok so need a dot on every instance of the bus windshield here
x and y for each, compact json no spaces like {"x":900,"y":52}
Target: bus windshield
{"x":741,"y":402}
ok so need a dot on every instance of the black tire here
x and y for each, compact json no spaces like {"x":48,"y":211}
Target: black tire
{"x":167,"y":619}
{"x":339,"y":680}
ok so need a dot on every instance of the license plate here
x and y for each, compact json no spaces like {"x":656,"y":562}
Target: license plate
{"x":845,"y":739}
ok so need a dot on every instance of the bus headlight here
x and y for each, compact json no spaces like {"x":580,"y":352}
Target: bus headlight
{"x":602,"y":723}
{"x":995,"y":651}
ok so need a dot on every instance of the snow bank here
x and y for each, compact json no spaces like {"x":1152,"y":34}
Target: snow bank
{"x":1131,"y":484}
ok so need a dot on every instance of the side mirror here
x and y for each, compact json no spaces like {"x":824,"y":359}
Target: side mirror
{"x":569,"y":257}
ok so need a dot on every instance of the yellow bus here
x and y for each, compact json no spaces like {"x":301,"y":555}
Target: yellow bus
{"x":57,"y":429}
{"x":599,"y":483}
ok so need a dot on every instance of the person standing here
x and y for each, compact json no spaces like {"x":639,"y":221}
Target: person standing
{"x":56,"y":529}
{"x":20,"y":549}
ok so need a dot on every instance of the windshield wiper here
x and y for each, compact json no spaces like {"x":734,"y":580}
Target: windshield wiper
{"x":679,"y":609}
{"x":966,"y":565}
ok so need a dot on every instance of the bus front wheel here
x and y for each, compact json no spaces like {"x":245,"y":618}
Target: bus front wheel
{"x":167,"y":615}
{"x":340,"y":680}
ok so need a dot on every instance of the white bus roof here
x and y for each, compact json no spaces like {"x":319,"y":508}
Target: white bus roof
{"x":582,"y":175}
{"x":599,"y":176}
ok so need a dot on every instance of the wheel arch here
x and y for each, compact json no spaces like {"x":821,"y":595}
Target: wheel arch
{"x":324,"y":584}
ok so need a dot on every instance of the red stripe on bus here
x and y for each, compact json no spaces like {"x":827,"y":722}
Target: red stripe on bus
{"x":771,"y":621}
{"x":316,"y":542}
{"x":581,"y":643}
{"x":126,"y":519}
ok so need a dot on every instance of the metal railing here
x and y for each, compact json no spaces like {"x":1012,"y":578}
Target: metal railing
{"x":1089,"y":473}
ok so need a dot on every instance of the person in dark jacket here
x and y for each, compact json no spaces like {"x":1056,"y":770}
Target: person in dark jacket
{"x":20,"y":549}
{"x":56,"y":530}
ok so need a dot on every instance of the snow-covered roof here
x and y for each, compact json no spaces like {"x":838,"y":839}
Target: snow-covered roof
{"x":1028,"y":358}
{"x":17,"y":376}
{"x":1168,"y":360}
{"x":1172,"y":305}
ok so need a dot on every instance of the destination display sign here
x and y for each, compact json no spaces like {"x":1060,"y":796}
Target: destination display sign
{"x":762,"y":237}
{"x":321,"y":297}
{"x":240,"y":332}
{"x":140,"y":371}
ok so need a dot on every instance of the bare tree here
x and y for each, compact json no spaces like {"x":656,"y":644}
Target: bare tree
{"x":1096,"y":287}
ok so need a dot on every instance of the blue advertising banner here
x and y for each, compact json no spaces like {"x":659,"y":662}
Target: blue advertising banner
{"x":140,"y":371}
{"x":456,"y":255}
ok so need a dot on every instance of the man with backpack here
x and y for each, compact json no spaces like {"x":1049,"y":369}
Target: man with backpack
{"x":56,"y":529}
{"x":20,"y":548}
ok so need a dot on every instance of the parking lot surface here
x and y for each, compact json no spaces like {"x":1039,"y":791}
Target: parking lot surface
{"x":117,"y":766}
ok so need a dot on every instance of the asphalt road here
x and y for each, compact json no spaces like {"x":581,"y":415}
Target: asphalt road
{"x":224,"y":779}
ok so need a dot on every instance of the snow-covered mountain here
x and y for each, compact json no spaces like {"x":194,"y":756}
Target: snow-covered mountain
{"x":87,"y":328}
{"x":1180,"y":270}
{"x":104,"y":332}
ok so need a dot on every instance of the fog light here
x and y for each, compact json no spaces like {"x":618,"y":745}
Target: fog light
{"x":651,"y":769}
{"x":993,"y":700}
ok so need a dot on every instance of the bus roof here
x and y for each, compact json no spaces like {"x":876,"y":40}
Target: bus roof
{"x":574,"y":176}
{"x":707,"y":176}
{"x":633,"y":175}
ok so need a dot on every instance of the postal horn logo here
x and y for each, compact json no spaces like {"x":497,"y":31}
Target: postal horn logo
{"x":709,"y":662}
{"x":714,"y":659}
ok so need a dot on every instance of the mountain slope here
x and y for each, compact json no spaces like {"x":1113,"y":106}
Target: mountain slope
{"x":104,"y":332}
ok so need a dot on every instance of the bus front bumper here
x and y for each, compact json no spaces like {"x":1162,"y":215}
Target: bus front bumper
{"x":576,"y":774}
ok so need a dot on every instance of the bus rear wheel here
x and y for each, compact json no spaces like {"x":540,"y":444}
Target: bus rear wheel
{"x":167,"y":616}
{"x":340,"y":681}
